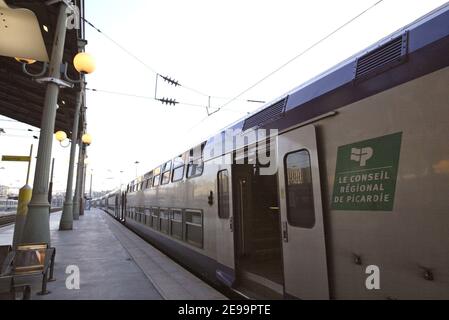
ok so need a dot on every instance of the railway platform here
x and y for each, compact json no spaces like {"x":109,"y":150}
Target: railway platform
{"x":114,"y":264}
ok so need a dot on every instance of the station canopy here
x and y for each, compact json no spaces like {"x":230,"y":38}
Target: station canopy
{"x":22,"y":98}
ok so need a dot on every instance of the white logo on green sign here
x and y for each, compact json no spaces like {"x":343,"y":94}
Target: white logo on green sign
{"x":362,"y":155}
{"x":365,"y":178}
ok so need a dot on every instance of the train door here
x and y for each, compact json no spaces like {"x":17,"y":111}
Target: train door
{"x":257,"y":236}
{"x":225,"y":227}
{"x":304,"y":251}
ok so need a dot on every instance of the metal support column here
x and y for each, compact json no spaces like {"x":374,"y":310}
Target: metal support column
{"x":79,"y":173}
{"x":83,"y":192}
{"x":66,"y":222}
{"x":37,"y":226}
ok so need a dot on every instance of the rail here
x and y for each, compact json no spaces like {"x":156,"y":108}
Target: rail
{"x":11,"y":218}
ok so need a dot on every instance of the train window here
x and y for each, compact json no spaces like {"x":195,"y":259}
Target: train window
{"x":195,"y":167}
{"x":148,"y":217}
{"x":164,"y":215}
{"x":176,"y":224}
{"x":155,"y":218}
{"x":166,"y":170}
{"x":223,"y":194}
{"x":298,"y":176}
{"x":178,"y":171}
{"x":194,"y":228}
{"x":156,"y":180}
{"x":141,"y":216}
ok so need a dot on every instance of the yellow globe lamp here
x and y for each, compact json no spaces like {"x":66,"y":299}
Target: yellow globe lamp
{"x":87,"y":139}
{"x":84,"y":63}
{"x":61,"y":136}
{"x":25,"y":60}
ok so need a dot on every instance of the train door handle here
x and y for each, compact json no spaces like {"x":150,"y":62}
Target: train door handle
{"x":231,"y":224}
{"x":285,"y":231}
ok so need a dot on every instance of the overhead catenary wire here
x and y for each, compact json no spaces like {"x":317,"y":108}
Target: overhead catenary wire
{"x":301,"y":53}
{"x":141,"y":61}
{"x":6,"y":135}
{"x":153,"y":70}
{"x":18,"y":129}
{"x":315,"y":44}
{"x":160,"y":100}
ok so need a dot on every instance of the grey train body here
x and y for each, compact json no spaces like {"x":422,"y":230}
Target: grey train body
{"x":358,"y":205}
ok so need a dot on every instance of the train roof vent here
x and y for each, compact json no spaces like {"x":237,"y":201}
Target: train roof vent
{"x":267,"y":115}
{"x":383,"y":58}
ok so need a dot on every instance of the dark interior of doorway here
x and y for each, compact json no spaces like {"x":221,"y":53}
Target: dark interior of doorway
{"x":258,"y":232}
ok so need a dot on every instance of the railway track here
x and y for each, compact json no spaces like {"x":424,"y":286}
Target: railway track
{"x":7,"y":219}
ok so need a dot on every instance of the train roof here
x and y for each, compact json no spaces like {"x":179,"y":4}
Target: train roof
{"x":411,"y":52}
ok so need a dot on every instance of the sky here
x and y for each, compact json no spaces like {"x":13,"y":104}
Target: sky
{"x":213,"y":48}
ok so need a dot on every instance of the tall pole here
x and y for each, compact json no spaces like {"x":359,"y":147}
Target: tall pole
{"x":37,"y":226}
{"x":50,"y":187}
{"x":91,"y":177}
{"x":29,"y":165}
{"x":76,"y":197}
{"x":66,"y":222}
{"x":83,"y":190}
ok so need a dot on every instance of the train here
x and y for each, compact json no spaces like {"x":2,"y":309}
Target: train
{"x":353,"y":202}
{"x":8,"y":205}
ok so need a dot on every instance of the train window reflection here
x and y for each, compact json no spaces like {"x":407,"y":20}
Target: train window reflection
{"x":194,"y":228}
{"x":155,"y":218}
{"x":176,"y":224}
{"x":164,"y":215}
{"x":195,"y":169}
{"x":298,"y":176}
{"x":156,"y":180}
{"x":166,"y":169}
{"x":223,"y":194}
{"x":178,"y":171}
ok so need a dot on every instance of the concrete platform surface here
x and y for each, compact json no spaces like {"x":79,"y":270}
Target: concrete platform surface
{"x":107,"y":272}
{"x":114,"y":264}
{"x":171,"y":280}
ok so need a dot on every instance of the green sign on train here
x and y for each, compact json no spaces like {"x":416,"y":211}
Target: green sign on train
{"x":366,"y":173}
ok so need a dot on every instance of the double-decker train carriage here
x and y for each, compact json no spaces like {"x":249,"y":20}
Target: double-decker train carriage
{"x":357,"y":206}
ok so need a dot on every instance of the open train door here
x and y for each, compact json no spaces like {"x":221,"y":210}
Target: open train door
{"x":304,"y":250}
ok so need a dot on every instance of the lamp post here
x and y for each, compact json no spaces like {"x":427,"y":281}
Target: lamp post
{"x":78,"y":203}
{"x":69,"y":213}
{"x":37,"y":228}
{"x":37,"y":225}
{"x":66,"y":222}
